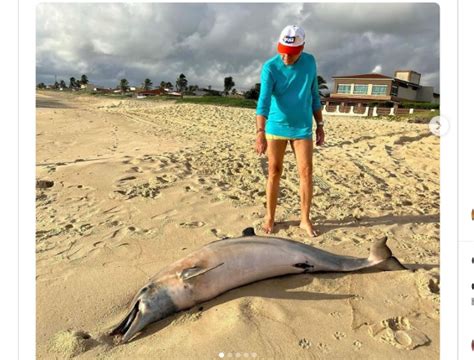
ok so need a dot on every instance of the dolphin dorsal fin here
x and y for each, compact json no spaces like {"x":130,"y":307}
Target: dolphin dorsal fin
{"x":194,"y":271}
{"x":248,"y":232}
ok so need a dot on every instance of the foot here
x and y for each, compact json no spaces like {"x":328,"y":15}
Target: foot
{"x":268,"y":226}
{"x":309,"y":228}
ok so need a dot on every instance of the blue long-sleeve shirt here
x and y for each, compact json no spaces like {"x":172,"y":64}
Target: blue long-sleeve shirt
{"x":289,"y":94}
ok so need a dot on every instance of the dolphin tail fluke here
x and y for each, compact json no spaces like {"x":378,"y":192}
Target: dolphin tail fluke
{"x":379,"y":250}
{"x":390,"y":264}
{"x":381,"y":256}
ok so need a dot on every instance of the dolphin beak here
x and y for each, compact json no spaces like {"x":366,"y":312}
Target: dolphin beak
{"x":130,"y":325}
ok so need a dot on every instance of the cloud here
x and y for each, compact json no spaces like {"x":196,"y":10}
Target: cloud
{"x":377,"y":69}
{"x":209,"y":41}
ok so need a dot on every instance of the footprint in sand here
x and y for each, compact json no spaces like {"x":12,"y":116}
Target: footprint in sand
{"x":324,"y":348}
{"x":192,"y":224}
{"x":338,"y":335}
{"x":305,"y":343}
{"x":190,"y":189}
{"x":336,"y":314}
{"x":357,"y":345}
{"x":399,"y":332}
{"x":166,"y":179}
{"x":44,"y":184}
{"x":218,"y":233}
{"x":135,"y":169}
{"x":128,"y":178}
{"x":427,"y":283}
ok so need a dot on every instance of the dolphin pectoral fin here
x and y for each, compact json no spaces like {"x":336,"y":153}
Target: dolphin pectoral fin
{"x":194,"y":271}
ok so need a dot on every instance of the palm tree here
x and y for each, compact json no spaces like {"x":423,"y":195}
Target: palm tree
{"x":147,"y":84}
{"x":181,"y":84}
{"x":228,"y":84}
{"x":169,"y":85}
{"x":123,"y":85}
{"x":72,"y":83}
{"x":62,"y":84}
{"x":322,"y":85}
{"x":84,"y":80}
{"x":162,"y":84}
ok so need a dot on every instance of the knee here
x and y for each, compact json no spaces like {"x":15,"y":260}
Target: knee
{"x":306,"y":173}
{"x":275,"y":171}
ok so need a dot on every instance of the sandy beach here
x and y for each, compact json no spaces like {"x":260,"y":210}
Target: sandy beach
{"x":129,"y":186}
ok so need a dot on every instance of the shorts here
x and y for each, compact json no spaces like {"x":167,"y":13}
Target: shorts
{"x":277,"y":137}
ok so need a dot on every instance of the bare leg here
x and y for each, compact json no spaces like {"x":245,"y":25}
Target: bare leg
{"x":275,"y":152}
{"x":304,"y":159}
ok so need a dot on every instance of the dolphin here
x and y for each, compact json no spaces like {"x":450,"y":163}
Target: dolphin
{"x":232,"y":262}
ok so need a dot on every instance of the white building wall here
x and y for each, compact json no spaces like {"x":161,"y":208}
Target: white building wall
{"x":402,"y":75}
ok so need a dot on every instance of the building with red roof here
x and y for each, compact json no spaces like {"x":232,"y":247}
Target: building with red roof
{"x":365,"y":89}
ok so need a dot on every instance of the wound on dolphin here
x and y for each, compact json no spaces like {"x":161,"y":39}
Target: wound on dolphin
{"x":221,"y":266}
{"x":304,"y":266}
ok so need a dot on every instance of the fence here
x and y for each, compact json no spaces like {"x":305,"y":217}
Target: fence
{"x":346,"y":110}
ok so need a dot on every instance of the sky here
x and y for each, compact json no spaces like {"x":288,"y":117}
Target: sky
{"x":210,"y":41}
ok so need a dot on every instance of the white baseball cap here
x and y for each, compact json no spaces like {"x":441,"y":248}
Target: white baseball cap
{"x":291,"y":40}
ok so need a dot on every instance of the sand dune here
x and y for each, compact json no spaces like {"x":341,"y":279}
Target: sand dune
{"x":139,"y":184}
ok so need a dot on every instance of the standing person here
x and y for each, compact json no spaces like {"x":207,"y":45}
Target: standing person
{"x":289,"y":99}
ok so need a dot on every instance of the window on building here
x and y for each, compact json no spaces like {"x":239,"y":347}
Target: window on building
{"x":379,"y":89}
{"x":394,"y":90}
{"x":343,"y":89}
{"x":361,"y":89}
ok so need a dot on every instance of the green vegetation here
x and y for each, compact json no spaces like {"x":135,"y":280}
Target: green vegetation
{"x":322,"y":85}
{"x":123,"y":85}
{"x":84,"y":80}
{"x":418,"y":105}
{"x":253,"y":93}
{"x":228,"y":84}
{"x":73,"y":83}
{"x":147,"y":84}
{"x":181,"y":84}
{"x":418,"y":117}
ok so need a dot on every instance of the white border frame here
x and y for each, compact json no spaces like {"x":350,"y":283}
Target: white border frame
{"x":449,"y":231}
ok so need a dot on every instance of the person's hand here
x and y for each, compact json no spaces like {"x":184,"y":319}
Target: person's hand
{"x":261,"y":143}
{"x":319,"y":136}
